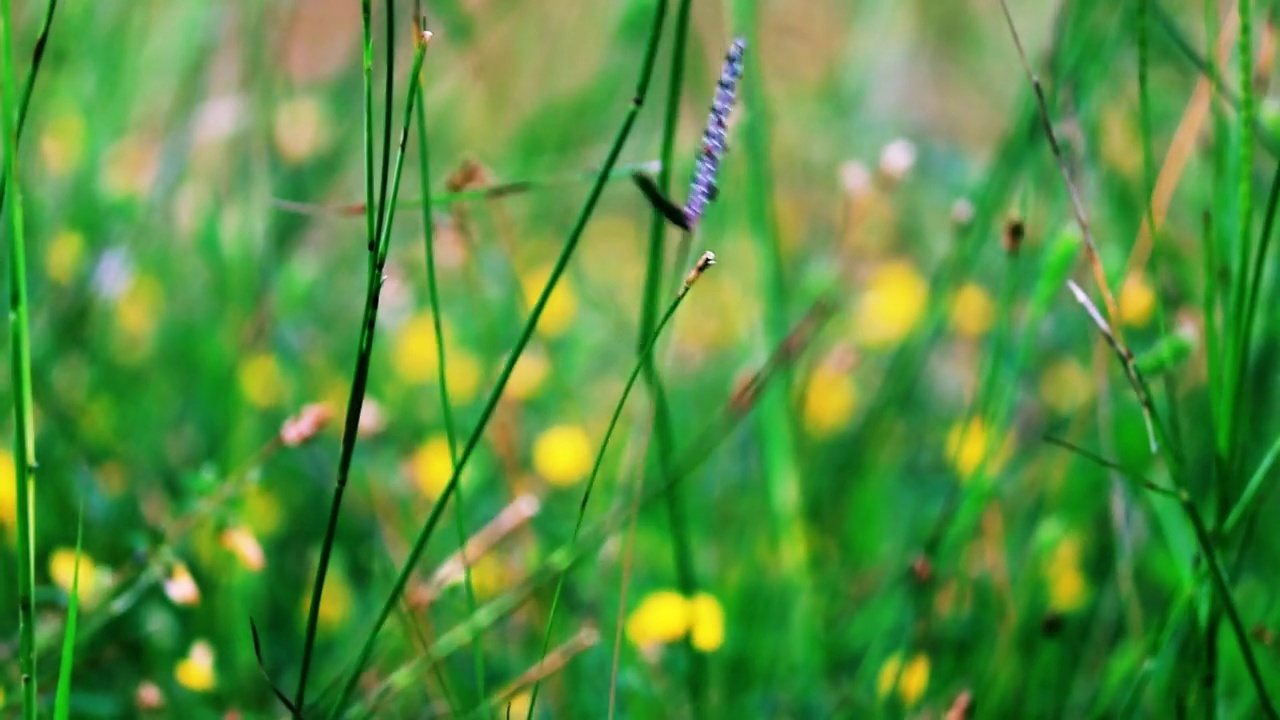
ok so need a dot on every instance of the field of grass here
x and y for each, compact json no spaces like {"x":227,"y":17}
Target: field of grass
{"x":361,"y":371}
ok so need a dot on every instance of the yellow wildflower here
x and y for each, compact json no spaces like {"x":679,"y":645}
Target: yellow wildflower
{"x":65,"y":254}
{"x":893,"y":302}
{"x":138,"y":307}
{"x":414,"y":354}
{"x":972,"y":311}
{"x":261,"y":380}
{"x":1065,"y":386}
{"x":462,"y":374}
{"x":335,"y":603}
{"x":8,"y":489}
{"x":242,"y":543}
{"x":1065,"y":582}
{"x":561,"y":307}
{"x":518,"y":705}
{"x":181,"y":587}
{"x":63,"y":572}
{"x":300,"y":129}
{"x":661,"y":617}
{"x":62,"y":143}
{"x":195,"y":672}
{"x":562,"y":455}
{"x":706,"y":622}
{"x":830,"y":399}
{"x":911,"y":682}
{"x":431,"y":466}
{"x":489,"y":576}
{"x":261,"y":509}
{"x":1137,"y":301}
{"x":968,"y":444}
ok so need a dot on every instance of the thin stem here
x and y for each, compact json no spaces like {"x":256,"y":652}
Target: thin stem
{"x":571,"y":243}
{"x":437,"y":326}
{"x":645,"y":359}
{"x":358,"y":384}
{"x":24,"y":448}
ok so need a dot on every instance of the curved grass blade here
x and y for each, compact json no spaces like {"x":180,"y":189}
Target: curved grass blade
{"x":62,"y":698}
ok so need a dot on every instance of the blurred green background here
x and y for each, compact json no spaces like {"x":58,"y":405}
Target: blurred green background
{"x":894,"y":538}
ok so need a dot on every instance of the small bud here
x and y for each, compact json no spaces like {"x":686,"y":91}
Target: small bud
{"x":1015,"y":231}
{"x":897,"y":159}
{"x":706,"y":261}
{"x":961,"y":213}
{"x":309,"y":421}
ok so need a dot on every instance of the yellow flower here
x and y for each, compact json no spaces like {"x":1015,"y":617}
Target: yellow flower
{"x":196,"y":672}
{"x":261,"y":380}
{"x":462,"y":374}
{"x":972,"y":311}
{"x":414,"y":356}
{"x":518,"y":705}
{"x":1065,"y":581}
{"x":830,"y":399}
{"x":431,"y":466}
{"x":911,"y":682}
{"x":489,"y":576}
{"x":707,"y":622}
{"x":300,"y":129}
{"x":138,"y":308}
{"x":65,"y":254}
{"x":661,"y":617}
{"x":335,"y":604}
{"x":893,"y":302}
{"x":528,"y":375}
{"x":8,"y":489}
{"x":1065,"y":386}
{"x":261,"y":509}
{"x":562,"y":455}
{"x":968,"y":444}
{"x":63,"y":570}
{"x":62,"y":143}
{"x":561,"y":307}
{"x":1137,"y":301}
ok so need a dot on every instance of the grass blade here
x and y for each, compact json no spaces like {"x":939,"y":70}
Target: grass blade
{"x":62,"y":700}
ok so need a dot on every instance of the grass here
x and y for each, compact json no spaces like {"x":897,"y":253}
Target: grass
{"x":894,"y":456}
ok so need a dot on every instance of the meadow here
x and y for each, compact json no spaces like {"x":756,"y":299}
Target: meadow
{"x":386,"y":359}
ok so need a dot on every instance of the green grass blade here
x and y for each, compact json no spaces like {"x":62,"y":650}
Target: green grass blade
{"x":62,"y":700}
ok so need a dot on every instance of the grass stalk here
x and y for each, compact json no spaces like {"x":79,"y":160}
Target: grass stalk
{"x":358,"y":384}
{"x":645,"y":360}
{"x":495,"y":394}
{"x":62,"y":698}
{"x":681,"y":544}
{"x":24,"y":449}
{"x":437,"y":327}
{"x":775,"y":430}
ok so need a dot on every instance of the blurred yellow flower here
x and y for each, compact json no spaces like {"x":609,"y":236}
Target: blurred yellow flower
{"x":261,"y":509}
{"x":242,"y":543}
{"x":528,"y":375}
{"x":8,"y":489}
{"x":138,"y":307}
{"x":1065,"y":581}
{"x":911,"y":682}
{"x":893,"y":302}
{"x":830,"y":398}
{"x":65,"y":255}
{"x":462,"y":374}
{"x":414,"y":356}
{"x":62,"y":143}
{"x":561,"y":307}
{"x":301,"y":129}
{"x":431,"y":466}
{"x":518,"y":705}
{"x":661,"y":616}
{"x":195,"y":672}
{"x":706,"y":622}
{"x":62,"y":571}
{"x":1065,"y":386}
{"x":968,"y":444}
{"x":261,"y":380}
{"x":489,"y":576}
{"x":972,"y":311}
{"x":335,"y":602}
{"x":562,"y":455}
{"x":1137,"y":301}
